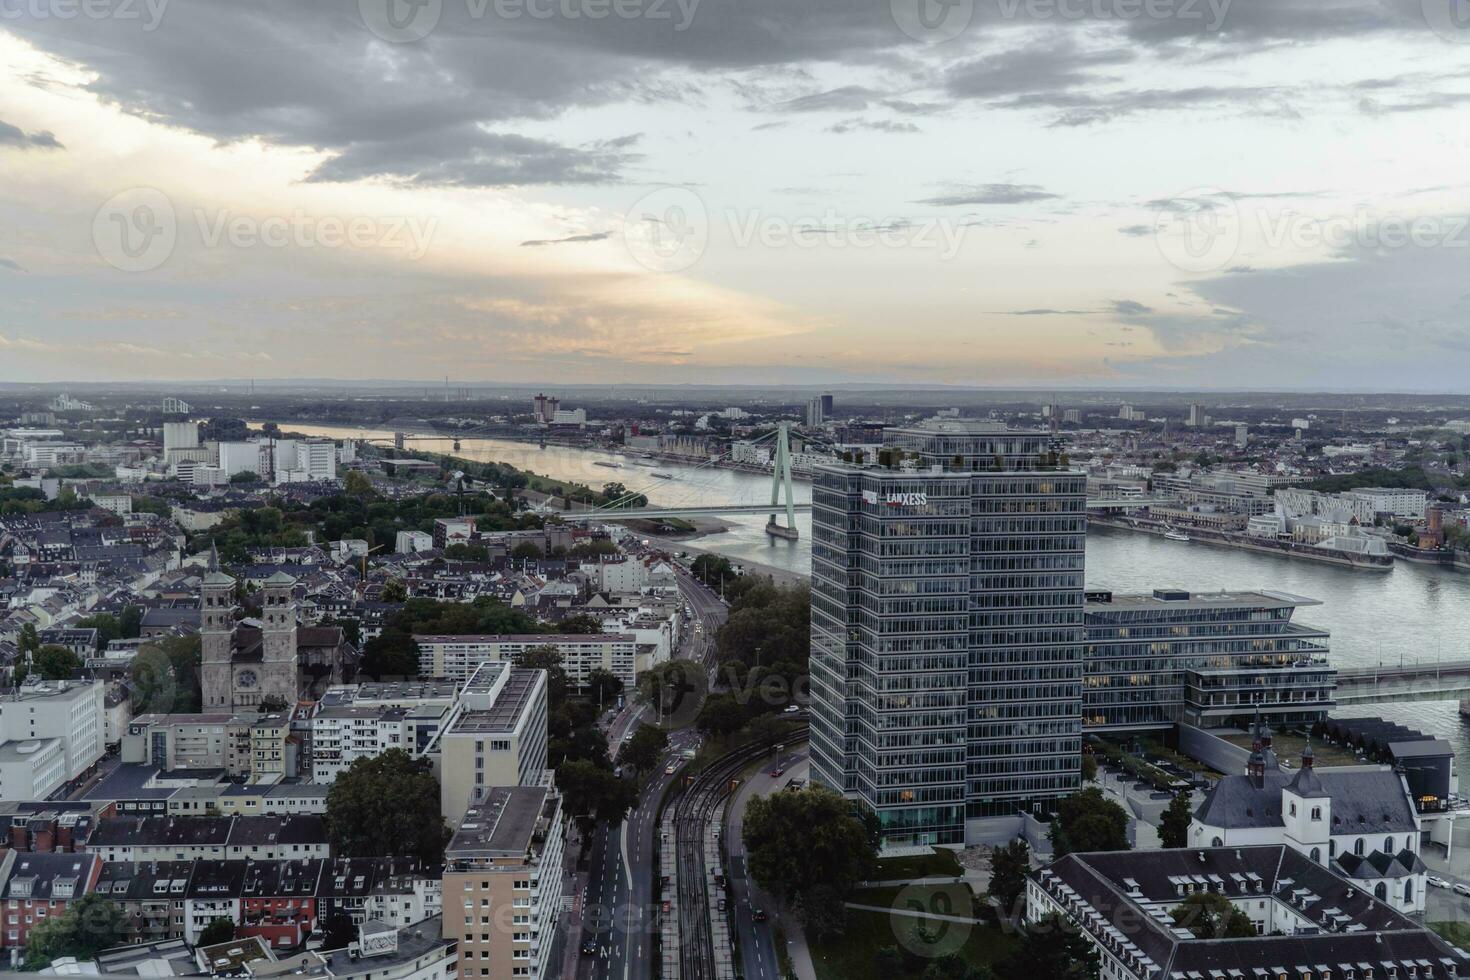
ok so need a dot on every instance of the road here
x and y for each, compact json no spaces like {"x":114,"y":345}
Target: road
{"x":618,"y":910}
{"x":757,"y":940}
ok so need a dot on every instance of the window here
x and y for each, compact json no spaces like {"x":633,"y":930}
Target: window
{"x":1316,"y":855}
{"x":1316,"y":813}
{"x":1358,"y":846}
{"x":1388,"y":845}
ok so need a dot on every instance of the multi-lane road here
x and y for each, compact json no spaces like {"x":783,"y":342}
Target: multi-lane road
{"x":618,"y":911}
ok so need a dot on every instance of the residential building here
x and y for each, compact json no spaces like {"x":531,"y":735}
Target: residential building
{"x":458,"y":657}
{"x":1310,"y":923}
{"x":496,"y":736}
{"x":947,"y":628}
{"x":166,"y":838}
{"x":502,"y":882}
{"x":37,"y":886}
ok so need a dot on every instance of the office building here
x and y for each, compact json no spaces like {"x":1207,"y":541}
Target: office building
{"x":1310,"y":924}
{"x":544,"y":407}
{"x":43,"y":722}
{"x":502,"y":882}
{"x":947,"y":628}
{"x":1209,"y":659}
{"x":180,"y":435}
{"x":496,"y":735}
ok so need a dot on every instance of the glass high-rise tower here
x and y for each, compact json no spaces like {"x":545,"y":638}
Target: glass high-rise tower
{"x":947,"y":627}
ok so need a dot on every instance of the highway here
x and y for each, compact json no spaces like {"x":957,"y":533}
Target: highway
{"x":619,"y":913}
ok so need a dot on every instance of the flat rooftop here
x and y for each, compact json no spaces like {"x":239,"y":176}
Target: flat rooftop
{"x":499,"y":822}
{"x":509,"y":705}
{"x":1174,"y":598}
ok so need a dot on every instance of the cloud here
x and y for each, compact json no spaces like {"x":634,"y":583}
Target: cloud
{"x":11,"y":135}
{"x":1136,"y":231}
{"x":991,"y":194}
{"x":1049,"y":67}
{"x":570,"y":239}
{"x":1128,"y":307}
{"x":849,"y":98}
{"x":1044,"y":312}
{"x":873,"y":125}
{"x":11,"y":264}
{"x":470,"y":157}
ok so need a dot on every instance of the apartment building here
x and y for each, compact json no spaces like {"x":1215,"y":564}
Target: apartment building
{"x":458,"y":657}
{"x":45,"y":720}
{"x":502,"y":881}
{"x":496,"y":735}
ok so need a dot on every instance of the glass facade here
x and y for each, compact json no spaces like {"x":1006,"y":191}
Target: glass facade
{"x":1205,"y":659}
{"x":947,"y":628}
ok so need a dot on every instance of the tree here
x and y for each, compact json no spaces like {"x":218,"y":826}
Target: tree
{"x":245,"y":476}
{"x":1089,"y":768}
{"x":56,"y":663}
{"x":644,"y":749}
{"x":603,"y":685}
{"x":593,"y":793}
{"x":220,"y":930}
{"x":672,"y":686}
{"x":579,"y":624}
{"x":1174,"y":828}
{"x":356,"y":484}
{"x":130,"y":623}
{"x":1210,"y":915}
{"x":526,"y":550}
{"x":272,"y":702}
{"x":1051,"y":949}
{"x":392,"y":653}
{"x":808,"y":848}
{"x":395,"y":591}
{"x":387,"y":805}
{"x":1009,"y":866}
{"x":107,"y":626}
{"x":88,"y":926}
{"x":721,"y":716}
{"x":549,"y":659}
{"x":164,"y":676}
{"x":712,"y":570}
{"x":1088,"y":821}
{"x":29,"y":640}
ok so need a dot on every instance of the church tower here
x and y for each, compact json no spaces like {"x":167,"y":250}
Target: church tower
{"x":216,"y":639}
{"x":279,"y":666}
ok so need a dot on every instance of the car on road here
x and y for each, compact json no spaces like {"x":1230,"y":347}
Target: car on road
{"x":722,"y":905}
{"x":1437,"y":881}
{"x":589,"y":946}
{"x":1460,"y":888}
{"x":792,"y":709}
{"x":758,"y":914}
{"x":671,"y":768}
{"x":628,"y":737}
{"x":778,"y":771}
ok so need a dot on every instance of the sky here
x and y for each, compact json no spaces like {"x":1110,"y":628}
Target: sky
{"x":1192,"y":193}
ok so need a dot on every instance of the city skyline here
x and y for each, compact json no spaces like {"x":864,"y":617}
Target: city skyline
{"x":1196,"y":195}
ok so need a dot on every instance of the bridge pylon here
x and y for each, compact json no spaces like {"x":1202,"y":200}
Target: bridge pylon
{"x":781,"y":477}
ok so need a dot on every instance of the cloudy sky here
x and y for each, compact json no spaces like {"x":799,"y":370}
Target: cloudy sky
{"x":1264,"y":193}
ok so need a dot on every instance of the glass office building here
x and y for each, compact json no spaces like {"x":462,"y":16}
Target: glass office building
{"x":1209,"y":659}
{"x":947,"y":627}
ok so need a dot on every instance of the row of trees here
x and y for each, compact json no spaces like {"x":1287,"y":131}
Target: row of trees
{"x":762,"y":651}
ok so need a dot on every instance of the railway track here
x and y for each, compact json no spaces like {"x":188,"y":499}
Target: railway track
{"x":695,"y":818}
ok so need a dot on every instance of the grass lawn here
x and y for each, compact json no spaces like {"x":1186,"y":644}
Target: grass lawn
{"x":925,"y":894}
{"x":1453,"y":932}
{"x":1289,"y":747}
{"x":940,"y":863}
{"x":854,"y":954}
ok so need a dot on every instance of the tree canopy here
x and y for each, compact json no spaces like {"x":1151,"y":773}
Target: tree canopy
{"x":1089,"y":821}
{"x":1050,"y":949}
{"x":808,"y":848}
{"x":644,"y":749}
{"x":387,"y":805}
{"x":88,"y":926}
{"x":1210,"y":915}
{"x":1174,"y":827}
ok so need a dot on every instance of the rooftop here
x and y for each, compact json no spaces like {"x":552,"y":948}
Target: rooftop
{"x":501,"y":822}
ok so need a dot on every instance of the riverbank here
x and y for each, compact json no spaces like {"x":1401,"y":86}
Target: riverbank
{"x":1225,"y":539}
{"x":781,"y":576}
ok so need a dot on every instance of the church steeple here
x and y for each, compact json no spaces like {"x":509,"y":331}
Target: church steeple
{"x":1255,"y":767}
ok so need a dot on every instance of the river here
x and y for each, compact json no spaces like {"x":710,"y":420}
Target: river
{"x":1414,"y":612}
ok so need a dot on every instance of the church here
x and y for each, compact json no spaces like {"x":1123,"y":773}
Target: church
{"x":274,"y":658}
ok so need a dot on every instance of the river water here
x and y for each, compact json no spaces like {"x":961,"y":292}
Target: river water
{"x":1413,"y":613}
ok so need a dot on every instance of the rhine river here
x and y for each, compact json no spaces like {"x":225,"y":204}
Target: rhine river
{"x":1414,"y":612}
